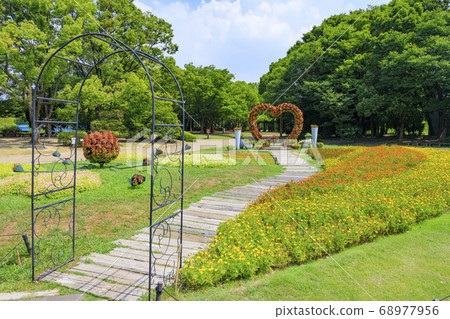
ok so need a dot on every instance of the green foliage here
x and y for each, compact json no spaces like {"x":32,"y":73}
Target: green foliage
{"x":125,"y":107}
{"x":10,"y":109}
{"x":7,"y":121}
{"x":387,"y":69}
{"x":290,"y":142}
{"x":189,"y":137}
{"x":32,"y":30}
{"x":139,"y":30}
{"x":213,"y":99}
{"x":240,"y":100}
{"x":109,"y":120}
{"x":347,"y":132}
{"x":204,"y":89}
{"x":66,"y":138}
{"x":8,"y":128}
{"x":29,"y":30}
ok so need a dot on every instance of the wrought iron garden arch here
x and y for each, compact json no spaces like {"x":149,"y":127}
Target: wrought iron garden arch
{"x":53,"y":245}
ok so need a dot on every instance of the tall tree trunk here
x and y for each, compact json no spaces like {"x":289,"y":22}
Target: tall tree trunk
{"x":372,"y":127}
{"x":401,"y":128}
{"x":430,"y":126}
{"x":443,"y":126}
{"x":361,"y":126}
{"x":382,"y":130}
{"x":37,"y":116}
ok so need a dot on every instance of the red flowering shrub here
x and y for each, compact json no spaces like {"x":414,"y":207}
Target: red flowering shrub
{"x":275,"y":112}
{"x":101,"y":147}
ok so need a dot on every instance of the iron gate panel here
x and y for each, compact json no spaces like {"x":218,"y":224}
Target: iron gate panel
{"x":166,"y":191}
{"x":53,"y":184}
{"x":53,"y":221}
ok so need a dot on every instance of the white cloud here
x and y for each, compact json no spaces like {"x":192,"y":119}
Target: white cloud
{"x":242,"y":36}
{"x":142,"y":6}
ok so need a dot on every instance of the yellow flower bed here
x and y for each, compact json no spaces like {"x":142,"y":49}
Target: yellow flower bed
{"x":366,"y":194}
{"x":20,"y":183}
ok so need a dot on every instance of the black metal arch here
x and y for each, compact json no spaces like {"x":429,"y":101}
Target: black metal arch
{"x":50,"y":240}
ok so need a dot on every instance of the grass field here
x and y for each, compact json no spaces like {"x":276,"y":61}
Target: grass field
{"x":410,"y":266}
{"x":115,"y":210}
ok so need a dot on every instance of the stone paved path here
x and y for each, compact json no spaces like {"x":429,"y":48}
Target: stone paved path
{"x":122,"y":274}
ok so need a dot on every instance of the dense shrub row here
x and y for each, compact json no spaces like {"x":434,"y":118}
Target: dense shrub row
{"x":66,"y":138}
{"x":365,"y":194}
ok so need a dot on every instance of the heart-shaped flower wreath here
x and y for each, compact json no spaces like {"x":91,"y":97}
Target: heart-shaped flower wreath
{"x":275,"y":112}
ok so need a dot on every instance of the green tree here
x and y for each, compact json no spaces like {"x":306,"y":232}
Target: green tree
{"x":241,"y":98}
{"x":205,"y":91}
{"x":385,"y":67}
{"x":29,"y":29}
{"x":32,"y":29}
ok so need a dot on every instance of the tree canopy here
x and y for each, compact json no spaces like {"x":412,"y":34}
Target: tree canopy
{"x":116,"y":95}
{"x":213,"y":100}
{"x":367,"y":71}
{"x":31,"y":30}
{"x":370,"y":70}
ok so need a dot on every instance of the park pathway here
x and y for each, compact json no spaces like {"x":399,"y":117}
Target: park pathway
{"x":122,"y":274}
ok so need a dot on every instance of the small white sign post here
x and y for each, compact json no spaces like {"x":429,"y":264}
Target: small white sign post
{"x":237,"y":136}
{"x":314,"y":132}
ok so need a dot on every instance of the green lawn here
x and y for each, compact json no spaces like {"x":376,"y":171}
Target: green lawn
{"x":115,"y":210}
{"x":409,"y":266}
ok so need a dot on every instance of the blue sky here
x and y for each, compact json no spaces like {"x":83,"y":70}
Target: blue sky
{"x":243,"y":36}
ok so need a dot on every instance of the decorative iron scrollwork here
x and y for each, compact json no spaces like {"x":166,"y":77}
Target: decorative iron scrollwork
{"x":53,"y":235}
{"x":53,"y":224}
{"x":167,"y":169}
{"x":166,"y":239}
{"x":47,"y":150}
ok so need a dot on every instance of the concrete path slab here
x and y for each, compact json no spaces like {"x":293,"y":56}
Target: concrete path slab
{"x":21,"y":295}
{"x":74,"y":297}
